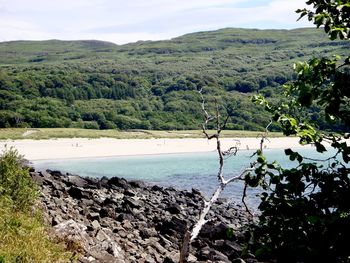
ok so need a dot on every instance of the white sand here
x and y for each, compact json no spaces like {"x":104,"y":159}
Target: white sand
{"x":82,"y":148}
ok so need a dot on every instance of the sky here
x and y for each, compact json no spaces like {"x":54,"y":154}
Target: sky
{"x":125,"y":21}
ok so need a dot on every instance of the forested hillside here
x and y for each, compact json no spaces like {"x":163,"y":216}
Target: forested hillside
{"x":152,"y":85}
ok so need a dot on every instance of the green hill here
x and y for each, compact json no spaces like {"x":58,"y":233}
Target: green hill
{"x":151,"y":84}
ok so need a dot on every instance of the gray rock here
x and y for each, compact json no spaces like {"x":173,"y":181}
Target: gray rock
{"x":37,"y":178}
{"x":160,"y":248}
{"x":173,"y":208}
{"x":87,"y":202}
{"x":127,"y":225}
{"x":122,"y":233}
{"x":57,"y":219}
{"x":129,"y":192}
{"x":105,"y":257}
{"x":137,"y":184}
{"x":218,"y":256}
{"x":122,"y":217}
{"x":70,"y":226}
{"x":192,"y":259}
{"x":205,"y":252}
{"x":93,"y":216}
{"x":132,"y":202}
{"x":76,"y":181}
{"x":148,"y":223}
{"x":47,"y":175}
{"x":148,"y":232}
{"x":101,"y":236}
{"x":174,"y":256}
{"x":120,"y":182}
{"x":95,"y":225}
{"x":110,"y":201}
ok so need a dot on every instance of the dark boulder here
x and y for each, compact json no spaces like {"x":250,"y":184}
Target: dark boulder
{"x":173,"y":208}
{"x":74,"y":180}
{"x":137,"y":184}
{"x":118,"y":221}
{"x":75,"y":192}
{"x":119,"y":182}
{"x":132,"y":202}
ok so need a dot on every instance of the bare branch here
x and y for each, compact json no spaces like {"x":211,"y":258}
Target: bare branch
{"x":264,"y":136}
{"x":218,"y":126}
{"x":225,"y":122}
{"x":202,"y":221}
{"x":241,"y":176}
{"x":189,"y":237}
{"x":230,"y":152}
{"x":244,"y":195}
{"x":221,"y":160}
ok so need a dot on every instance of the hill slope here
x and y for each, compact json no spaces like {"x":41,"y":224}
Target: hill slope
{"x":151,"y":84}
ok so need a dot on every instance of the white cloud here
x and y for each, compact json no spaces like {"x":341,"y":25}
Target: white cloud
{"x":18,"y":29}
{"x":123,"y":21}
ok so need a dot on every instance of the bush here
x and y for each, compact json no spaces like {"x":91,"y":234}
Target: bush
{"x":23,"y":237}
{"x":305,"y":209}
{"x":15,"y":181}
{"x":91,"y":125}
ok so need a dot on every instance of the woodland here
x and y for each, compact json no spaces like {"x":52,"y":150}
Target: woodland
{"x":154,"y":85}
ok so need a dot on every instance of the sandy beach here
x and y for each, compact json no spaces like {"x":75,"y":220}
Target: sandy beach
{"x":106,"y":147}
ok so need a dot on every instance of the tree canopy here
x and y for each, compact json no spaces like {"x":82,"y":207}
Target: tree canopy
{"x":305,"y":210}
{"x":152,"y":84}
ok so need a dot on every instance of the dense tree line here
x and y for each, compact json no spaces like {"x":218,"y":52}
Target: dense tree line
{"x":149,"y":85}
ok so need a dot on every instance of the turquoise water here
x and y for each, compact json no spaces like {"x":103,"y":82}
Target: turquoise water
{"x":182,"y":171}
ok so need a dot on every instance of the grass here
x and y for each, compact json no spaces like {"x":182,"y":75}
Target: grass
{"x":23,"y":235}
{"x":23,"y":238}
{"x":51,"y":133}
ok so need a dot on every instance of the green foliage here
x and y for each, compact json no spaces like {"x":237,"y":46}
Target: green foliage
{"x":305,"y":210}
{"x":333,"y":15}
{"x":23,"y":237}
{"x":323,"y":81}
{"x":150,"y":85}
{"x":304,"y":215}
{"x":15,"y":182}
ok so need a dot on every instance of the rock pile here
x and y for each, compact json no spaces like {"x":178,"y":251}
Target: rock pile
{"x":113,"y":220}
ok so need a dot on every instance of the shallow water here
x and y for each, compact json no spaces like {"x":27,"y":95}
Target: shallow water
{"x":182,"y":171}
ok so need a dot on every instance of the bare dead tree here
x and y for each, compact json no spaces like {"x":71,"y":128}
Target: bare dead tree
{"x":223,"y":182}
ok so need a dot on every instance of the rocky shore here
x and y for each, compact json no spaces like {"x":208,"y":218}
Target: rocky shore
{"x":113,"y":220}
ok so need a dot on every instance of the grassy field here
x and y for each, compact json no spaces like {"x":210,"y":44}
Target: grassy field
{"x":52,"y":133}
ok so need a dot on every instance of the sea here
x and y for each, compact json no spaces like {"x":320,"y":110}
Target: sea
{"x":181,"y":171}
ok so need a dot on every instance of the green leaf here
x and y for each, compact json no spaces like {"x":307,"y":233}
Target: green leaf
{"x":275,"y":165}
{"x":302,"y":12}
{"x":320,"y":147}
{"x":261,"y":159}
{"x":288,"y":151}
{"x":333,"y":35}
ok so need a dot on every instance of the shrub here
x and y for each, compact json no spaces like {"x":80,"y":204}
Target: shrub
{"x":93,"y":125}
{"x":23,"y":237}
{"x":15,"y":181}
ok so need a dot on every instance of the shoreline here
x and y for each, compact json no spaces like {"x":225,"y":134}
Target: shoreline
{"x":78,"y":148}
